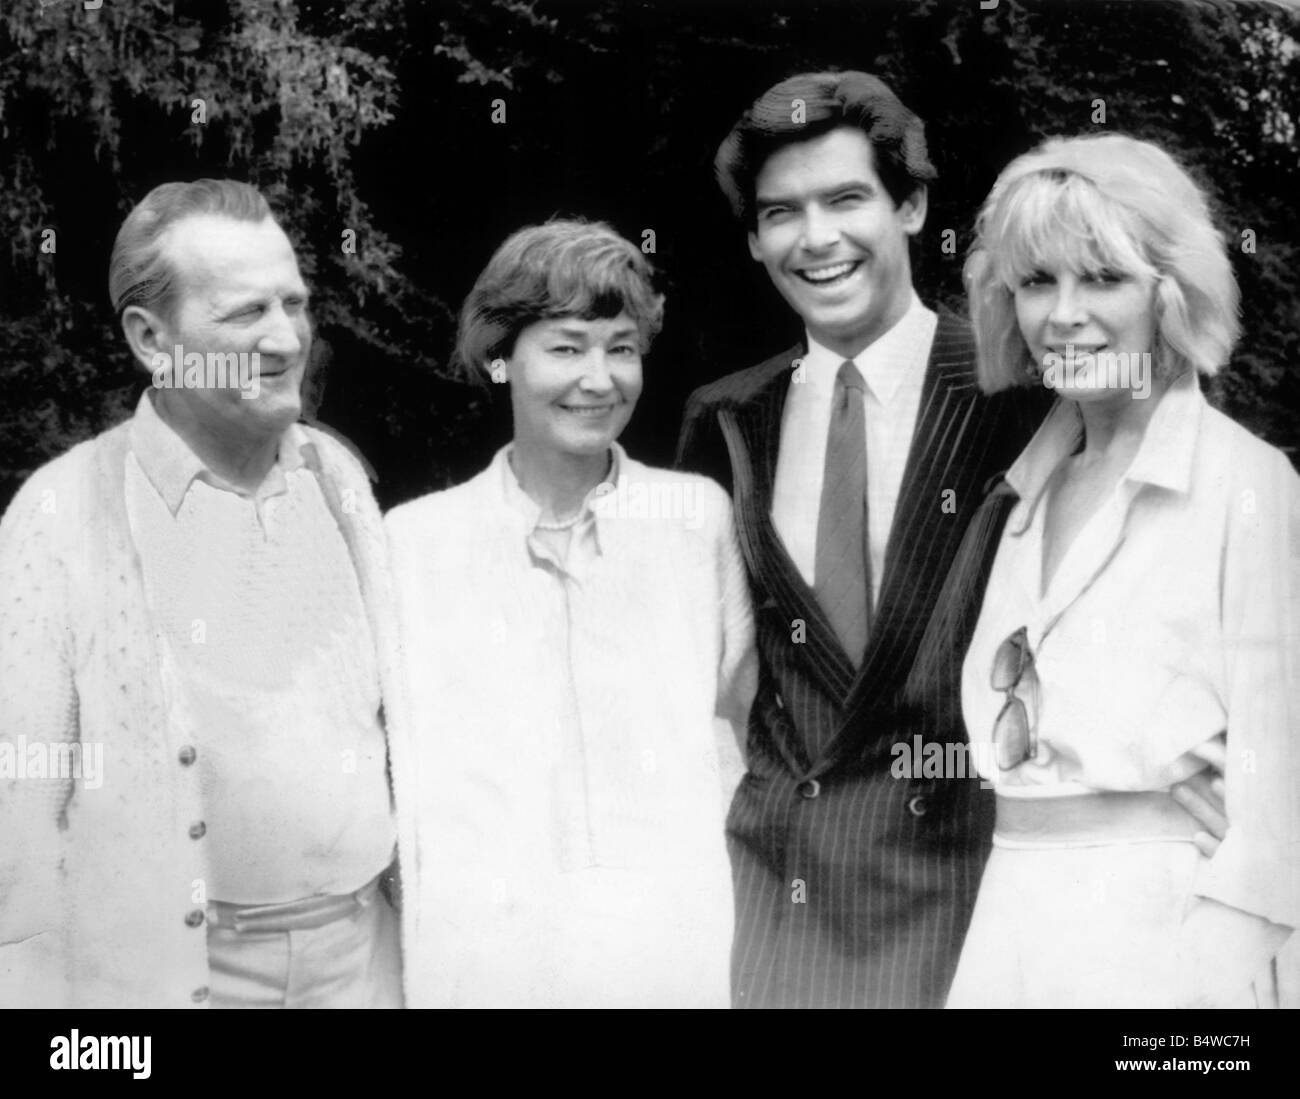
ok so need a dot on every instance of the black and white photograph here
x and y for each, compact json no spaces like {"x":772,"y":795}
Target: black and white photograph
{"x":650,"y":504}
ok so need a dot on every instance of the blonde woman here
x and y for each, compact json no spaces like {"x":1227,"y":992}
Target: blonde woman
{"x":1140,"y":618}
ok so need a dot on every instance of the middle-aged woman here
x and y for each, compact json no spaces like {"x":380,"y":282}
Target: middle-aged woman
{"x":1141,"y":615}
{"x":579,"y":657}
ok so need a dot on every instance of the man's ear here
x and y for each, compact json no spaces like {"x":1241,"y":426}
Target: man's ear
{"x":912,"y":210}
{"x":753,"y":247}
{"x":147,"y":335}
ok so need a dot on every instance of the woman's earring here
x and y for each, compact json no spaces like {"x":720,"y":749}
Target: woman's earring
{"x":498,"y":370}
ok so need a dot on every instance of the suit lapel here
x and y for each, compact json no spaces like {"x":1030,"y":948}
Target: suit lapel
{"x":752,"y":429}
{"x":924,"y":536}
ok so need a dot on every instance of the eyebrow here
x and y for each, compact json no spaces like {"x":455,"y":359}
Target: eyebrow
{"x":763,"y":201}
{"x":239,"y":299}
{"x":582,"y":333}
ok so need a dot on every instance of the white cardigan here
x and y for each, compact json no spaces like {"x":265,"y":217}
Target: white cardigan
{"x":564,"y":837}
{"x":100,"y":889}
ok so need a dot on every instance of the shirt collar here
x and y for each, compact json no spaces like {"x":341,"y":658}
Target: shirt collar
{"x":888,"y":361}
{"x":1164,"y":457}
{"x":171,"y":466}
{"x":1169,"y":445}
{"x":531,"y":511}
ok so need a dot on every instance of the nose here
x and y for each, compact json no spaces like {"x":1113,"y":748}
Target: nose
{"x":1068,"y":306}
{"x":284,"y":334}
{"x":820,"y":229}
{"x":596,"y":375}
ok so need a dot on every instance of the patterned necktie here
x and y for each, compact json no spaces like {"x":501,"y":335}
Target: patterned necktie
{"x":842,"y":580}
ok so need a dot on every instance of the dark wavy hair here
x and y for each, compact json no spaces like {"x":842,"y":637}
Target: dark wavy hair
{"x":809,"y":105}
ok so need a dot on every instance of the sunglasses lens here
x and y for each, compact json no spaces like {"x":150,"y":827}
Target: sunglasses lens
{"x":1006,"y":665}
{"x":1011,"y":735}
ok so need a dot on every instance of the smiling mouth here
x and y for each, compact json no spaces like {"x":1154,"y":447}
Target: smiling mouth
{"x":830,"y":275}
{"x":1073,"y":353}
{"x":590,"y":411}
{"x":263,"y":372}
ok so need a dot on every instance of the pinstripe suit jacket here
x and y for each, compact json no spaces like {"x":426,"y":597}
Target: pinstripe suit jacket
{"x":854,"y":888}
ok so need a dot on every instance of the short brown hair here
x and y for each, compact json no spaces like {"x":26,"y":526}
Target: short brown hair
{"x":563,"y":268}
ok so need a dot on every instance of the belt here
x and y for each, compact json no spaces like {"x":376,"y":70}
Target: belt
{"x":1093,"y":819}
{"x":300,"y":915}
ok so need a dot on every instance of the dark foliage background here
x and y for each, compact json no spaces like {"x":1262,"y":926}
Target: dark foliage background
{"x":376,"y":116}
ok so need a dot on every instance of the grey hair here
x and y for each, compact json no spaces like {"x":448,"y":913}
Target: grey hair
{"x":139,"y":272}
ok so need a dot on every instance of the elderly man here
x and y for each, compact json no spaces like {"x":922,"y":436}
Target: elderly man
{"x":193,"y":606}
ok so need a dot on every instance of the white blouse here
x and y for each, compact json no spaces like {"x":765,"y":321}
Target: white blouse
{"x":575,"y":725}
{"x":1172,"y":620}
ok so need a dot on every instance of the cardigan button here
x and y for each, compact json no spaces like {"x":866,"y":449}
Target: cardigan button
{"x":187,"y":755}
{"x":809,"y":788}
{"x":198,"y":830}
{"x":194,"y":918}
{"x":917,"y":805}
{"x":199,"y":994}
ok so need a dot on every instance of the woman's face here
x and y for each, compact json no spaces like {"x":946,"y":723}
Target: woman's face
{"x":1090,"y":332}
{"x":574,"y":383}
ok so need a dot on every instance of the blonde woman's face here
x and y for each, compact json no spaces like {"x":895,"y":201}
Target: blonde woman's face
{"x":1091,"y":332}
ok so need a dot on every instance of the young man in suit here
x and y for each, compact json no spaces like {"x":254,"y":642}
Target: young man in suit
{"x":861,"y":463}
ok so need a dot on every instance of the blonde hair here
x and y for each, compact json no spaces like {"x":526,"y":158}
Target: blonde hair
{"x":1093,"y":203}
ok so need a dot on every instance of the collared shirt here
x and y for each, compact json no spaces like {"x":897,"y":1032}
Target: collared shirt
{"x":893,"y":368}
{"x":275,"y":669}
{"x":570,"y":719}
{"x":1169,"y":622}
{"x":171,"y":466}
{"x":583,"y":538}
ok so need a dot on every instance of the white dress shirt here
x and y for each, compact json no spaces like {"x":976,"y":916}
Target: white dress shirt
{"x":893,"y":368}
{"x":1171,"y":620}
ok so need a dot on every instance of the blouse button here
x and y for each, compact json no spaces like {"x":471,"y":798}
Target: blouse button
{"x":199,"y":994}
{"x":194,"y":917}
{"x":198,"y":830}
{"x":187,"y":755}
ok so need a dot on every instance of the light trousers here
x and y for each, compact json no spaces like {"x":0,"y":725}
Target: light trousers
{"x":351,"y":962}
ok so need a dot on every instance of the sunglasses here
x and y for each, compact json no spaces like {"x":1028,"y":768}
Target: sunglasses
{"x":1014,"y":737}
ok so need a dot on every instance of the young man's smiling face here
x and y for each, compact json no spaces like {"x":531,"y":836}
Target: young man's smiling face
{"x":832,"y":239}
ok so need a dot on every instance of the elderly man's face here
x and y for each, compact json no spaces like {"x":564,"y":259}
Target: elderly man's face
{"x":239,"y":292}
